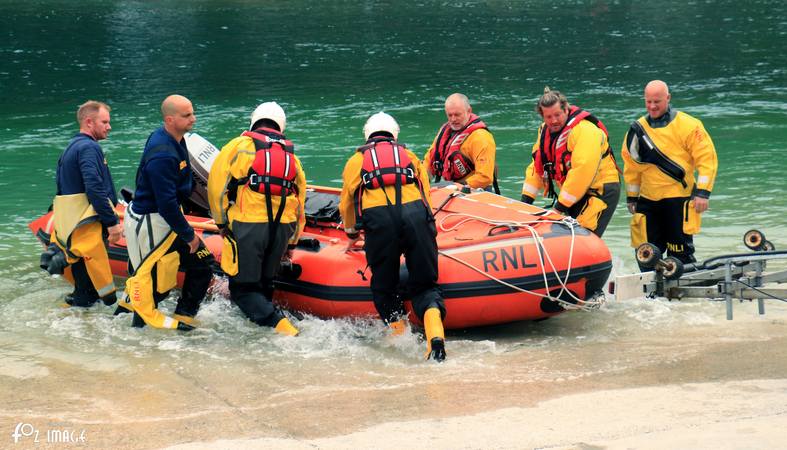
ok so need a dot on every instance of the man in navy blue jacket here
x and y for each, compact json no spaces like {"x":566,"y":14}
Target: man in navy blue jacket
{"x":84,"y":209}
{"x":158,"y":236}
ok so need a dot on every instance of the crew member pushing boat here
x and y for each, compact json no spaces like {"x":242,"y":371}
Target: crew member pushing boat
{"x":256,"y":191}
{"x":386,"y":194}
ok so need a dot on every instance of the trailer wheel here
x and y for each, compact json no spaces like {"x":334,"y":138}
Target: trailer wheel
{"x":673,"y":268}
{"x":647,"y":255}
{"x":753,"y":239}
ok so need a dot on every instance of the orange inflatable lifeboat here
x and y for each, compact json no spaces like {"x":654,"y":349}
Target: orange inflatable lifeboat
{"x":500,"y":260}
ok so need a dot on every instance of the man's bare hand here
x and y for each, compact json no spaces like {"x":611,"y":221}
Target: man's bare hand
{"x":194,"y":244}
{"x":351,"y":244}
{"x":115,"y":233}
{"x":700,"y":204}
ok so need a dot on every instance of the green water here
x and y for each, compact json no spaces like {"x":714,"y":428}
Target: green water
{"x":331,"y":65}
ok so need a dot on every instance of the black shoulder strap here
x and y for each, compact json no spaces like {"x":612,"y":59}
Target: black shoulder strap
{"x":649,"y":153}
{"x":592,"y":119}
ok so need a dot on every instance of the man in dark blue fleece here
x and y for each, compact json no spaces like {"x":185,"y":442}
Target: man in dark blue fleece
{"x":158,"y":236}
{"x":84,"y":209}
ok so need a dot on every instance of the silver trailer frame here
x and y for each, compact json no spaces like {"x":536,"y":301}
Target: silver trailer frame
{"x":739,"y":276}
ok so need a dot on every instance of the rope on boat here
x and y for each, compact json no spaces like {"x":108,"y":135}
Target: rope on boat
{"x":543,"y":256}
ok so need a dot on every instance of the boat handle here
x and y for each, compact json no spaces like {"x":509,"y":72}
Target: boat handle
{"x":501,"y":229}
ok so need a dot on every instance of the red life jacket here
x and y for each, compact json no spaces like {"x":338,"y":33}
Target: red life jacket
{"x":447,"y":161}
{"x":273,"y":170}
{"x":385,"y":163}
{"x":553,"y":160}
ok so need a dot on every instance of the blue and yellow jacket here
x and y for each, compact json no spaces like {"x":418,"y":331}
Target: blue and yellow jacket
{"x":82,"y":168}
{"x":164,"y":181}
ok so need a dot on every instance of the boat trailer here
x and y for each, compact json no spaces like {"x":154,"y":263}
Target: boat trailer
{"x":740,"y":276}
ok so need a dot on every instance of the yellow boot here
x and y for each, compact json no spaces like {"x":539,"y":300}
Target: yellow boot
{"x":286,"y":328}
{"x":435,"y":336}
{"x":397,"y":328}
{"x":188,"y":320}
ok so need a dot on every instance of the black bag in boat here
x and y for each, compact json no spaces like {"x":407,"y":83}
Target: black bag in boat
{"x":322,"y":207}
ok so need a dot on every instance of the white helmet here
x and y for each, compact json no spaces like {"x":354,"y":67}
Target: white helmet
{"x":271,"y":111}
{"x":381,"y":122}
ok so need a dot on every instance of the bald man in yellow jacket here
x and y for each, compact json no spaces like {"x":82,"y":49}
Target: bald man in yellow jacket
{"x":661,"y":152}
{"x":572,"y":152}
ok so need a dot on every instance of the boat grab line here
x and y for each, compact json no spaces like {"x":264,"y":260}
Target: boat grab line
{"x":543,"y":256}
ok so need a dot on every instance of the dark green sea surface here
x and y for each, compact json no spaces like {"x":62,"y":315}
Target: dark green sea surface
{"x":332,"y":64}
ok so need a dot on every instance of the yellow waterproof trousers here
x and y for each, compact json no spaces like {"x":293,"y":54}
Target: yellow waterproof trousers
{"x":87,"y":242}
{"x":139,"y":287}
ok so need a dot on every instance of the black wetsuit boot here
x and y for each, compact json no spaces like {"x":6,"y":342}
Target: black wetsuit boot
{"x":84,"y":294}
